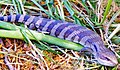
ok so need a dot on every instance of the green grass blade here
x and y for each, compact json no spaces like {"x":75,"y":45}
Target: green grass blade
{"x":41,"y":8}
{"x":85,"y":6}
{"x":60,"y":10}
{"x":46,"y":38}
{"x":68,"y":7}
{"x":7,"y":25}
{"x":106,"y":11}
{"x":15,"y":6}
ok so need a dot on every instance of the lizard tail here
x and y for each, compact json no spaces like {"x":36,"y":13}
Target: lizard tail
{"x":26,"y":19}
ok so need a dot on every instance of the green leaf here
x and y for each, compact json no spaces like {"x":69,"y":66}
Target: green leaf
{"x":68,"y":7}
{"x":106,"y":11}
{"x":9,"y":26}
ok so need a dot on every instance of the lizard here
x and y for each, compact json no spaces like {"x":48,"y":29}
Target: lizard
{"x":91,"y":41}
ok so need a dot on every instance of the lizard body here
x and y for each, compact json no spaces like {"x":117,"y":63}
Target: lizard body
{"x":68,"y":31}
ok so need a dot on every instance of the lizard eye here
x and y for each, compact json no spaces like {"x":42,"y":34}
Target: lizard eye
{"x":105,"y":58}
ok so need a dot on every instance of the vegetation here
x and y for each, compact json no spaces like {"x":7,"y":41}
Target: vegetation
{"x":45,"y":52}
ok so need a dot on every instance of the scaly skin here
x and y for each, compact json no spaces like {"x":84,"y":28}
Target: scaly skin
{"x":68,"y":31}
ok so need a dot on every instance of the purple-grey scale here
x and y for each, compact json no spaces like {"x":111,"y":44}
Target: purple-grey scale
{"x":9,"y":18}
{"x":17,"y":17}
{"x":54,"y":28}
{"x":83,"y":34}
{"x":33,"y":25}
{"x":49,"y":28}
{"x":1,"y":18}
{"x":69,"y":31}
{"x":21,"y":18}
{"x":46,"y":25}
{"x":75,"y":31}
{"x":94,"y":40}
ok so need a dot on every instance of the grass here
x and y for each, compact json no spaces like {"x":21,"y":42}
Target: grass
{"x":99,"y":16}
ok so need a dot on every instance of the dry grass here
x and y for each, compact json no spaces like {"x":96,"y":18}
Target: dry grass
{"x":17,"y":54}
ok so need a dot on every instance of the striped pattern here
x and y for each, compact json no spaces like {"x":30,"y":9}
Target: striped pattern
{"x":60,"y":29}
{"x":57,"y":28}
{"x":68,"y":31}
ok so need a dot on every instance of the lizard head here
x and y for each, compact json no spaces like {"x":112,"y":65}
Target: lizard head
{"x":107,"y":58}
{"x":103,"y":55}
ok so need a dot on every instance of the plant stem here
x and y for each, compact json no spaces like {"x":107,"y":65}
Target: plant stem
{"x":16,"y":33}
